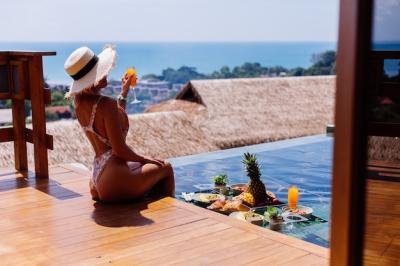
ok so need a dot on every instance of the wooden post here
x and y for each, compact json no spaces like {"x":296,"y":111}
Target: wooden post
{"x":18,"y":77}
{"x":20,"y":153}
{"x":350,"y":145}
{"x":38,"y":117}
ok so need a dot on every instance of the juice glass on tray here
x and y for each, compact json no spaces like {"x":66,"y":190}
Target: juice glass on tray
{"x":293,"y":197}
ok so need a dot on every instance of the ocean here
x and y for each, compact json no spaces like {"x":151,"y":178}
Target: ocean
{"x":206,"y":57}
{"x":155,"y":57}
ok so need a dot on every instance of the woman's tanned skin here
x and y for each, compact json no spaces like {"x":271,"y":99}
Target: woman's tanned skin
{"x":118,"y":182}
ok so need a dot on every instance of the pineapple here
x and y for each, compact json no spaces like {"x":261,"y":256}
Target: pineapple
{"x":256,"y":187}
{"x":248,"y":198}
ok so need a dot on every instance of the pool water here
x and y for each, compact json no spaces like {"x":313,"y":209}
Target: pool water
{"x":305,"y":162}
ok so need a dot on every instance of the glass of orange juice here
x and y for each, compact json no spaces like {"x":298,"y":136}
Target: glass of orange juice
{"x":132,"y":71}
{"x":293,"y":197}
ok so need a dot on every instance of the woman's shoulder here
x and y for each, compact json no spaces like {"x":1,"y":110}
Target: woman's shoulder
{"x":108,"y":102}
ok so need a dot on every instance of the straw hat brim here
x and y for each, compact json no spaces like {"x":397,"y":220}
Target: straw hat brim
{"x":102,"y":68}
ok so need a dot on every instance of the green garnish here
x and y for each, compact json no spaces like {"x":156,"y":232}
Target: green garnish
{"x":220,"y":179}
{"x":273,"y":212}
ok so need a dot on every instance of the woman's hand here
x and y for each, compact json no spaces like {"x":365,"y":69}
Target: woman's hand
{"x":154,"y":161}
{"x":126,"y":82}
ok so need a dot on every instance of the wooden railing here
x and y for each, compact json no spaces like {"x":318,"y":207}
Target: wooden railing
{"x":21,"y":78}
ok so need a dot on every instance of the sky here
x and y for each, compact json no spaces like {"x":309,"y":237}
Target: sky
{"x":169,"y":20}
{"x":387,"y":20}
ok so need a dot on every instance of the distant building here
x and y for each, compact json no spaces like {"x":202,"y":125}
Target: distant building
{"x":59,"y":87}
{"x":61,"y":111}
{"x":151,"y":83}
{"x":177,"y":87}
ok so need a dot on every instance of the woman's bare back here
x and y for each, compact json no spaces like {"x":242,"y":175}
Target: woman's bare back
{"x":119,"y":180}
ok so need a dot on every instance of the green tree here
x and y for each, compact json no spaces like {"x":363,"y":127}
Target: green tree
{"x":323,"y":64}
{"x":151,"y":77}
{"x":276,"y":70}
{"x":181,"y":75}
{"x":298,"y":71}
{"x":223,"y":73}
{"x":57,"y":99}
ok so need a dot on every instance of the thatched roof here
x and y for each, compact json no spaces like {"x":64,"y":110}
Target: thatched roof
{"x":211,"y":114}
{"x":384,"y":149}
{"x":192,"y":109}
{"x":247,"y":111}
{"x":160,"y":135}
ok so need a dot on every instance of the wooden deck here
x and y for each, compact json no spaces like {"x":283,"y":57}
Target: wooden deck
{"x":56,"y":222}
{"x":382,"y":237}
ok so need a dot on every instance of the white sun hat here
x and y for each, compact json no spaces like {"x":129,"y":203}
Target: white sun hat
{"x":87,"y":69}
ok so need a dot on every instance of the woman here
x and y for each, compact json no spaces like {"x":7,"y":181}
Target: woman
{"x":119,"y":174}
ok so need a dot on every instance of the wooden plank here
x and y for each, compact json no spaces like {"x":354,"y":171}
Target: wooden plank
{"x":5,"y":96}
{"x":156,"y":254}
{"x":47,"y":96}
{"x":136,"y":241}
{"x":309,"y":260}
{"x":27,"y":53}
{"x":19,"y":81}
{"x":55,"y":169}
{"x":385,"y":54}
{"x":37,"y":228}
{"x":383,"y":169}
{"x":38,"y":117}
{"x":6,"y":134}
{"x":29,"y":138}
{"x":52,"y":212}
{"x":90,"y":232}
{"x":87,"y":247}
{"x":386,"y":164}
{"x":221,"y":255}
{"x":384,"y":129}
{"x":276,"y":254}
{"x":76,"y":169}
{"x":20,"y":150}
{"x":382,"y":238}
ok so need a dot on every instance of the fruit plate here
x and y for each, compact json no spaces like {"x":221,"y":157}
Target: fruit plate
{"x":293,"y":218}
{"x":207,"y":197}
{"x":249,"y":217}
{"x":301,"y":210}
{"x":239,"y":187}
{"x":238,"y":215}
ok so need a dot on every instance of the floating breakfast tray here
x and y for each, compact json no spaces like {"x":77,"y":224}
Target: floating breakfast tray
{"x":289,"y":220}
{"x":299,"y":221}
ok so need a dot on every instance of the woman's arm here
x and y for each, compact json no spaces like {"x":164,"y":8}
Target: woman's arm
{"x":125,"y":83}
{"x":116,"y":138}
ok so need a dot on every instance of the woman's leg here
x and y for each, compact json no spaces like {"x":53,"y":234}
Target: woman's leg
{"x":118,"y":182}
{"x":160,"y":178}
{"x":93,"y":191}
{"x":165,"y":186}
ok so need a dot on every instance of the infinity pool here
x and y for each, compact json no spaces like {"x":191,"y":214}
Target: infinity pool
{"x":304,"y":162}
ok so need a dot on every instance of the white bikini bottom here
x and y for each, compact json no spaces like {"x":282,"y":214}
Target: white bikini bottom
{"x":100,"y":162}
